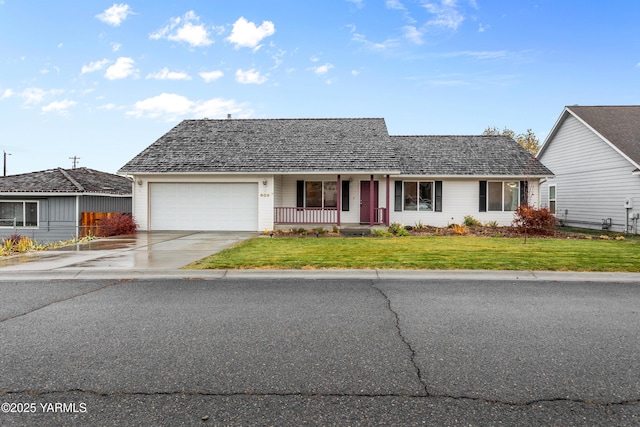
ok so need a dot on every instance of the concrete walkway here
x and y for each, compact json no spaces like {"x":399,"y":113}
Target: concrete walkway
{"x":162,"y":254}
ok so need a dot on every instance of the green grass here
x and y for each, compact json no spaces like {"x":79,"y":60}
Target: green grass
{"x":432,"y":253}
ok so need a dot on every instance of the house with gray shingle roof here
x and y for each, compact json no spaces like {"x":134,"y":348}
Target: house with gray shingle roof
{"x":594,"y":152}
{"x":47,"y":205}
{"x":261,"y":174}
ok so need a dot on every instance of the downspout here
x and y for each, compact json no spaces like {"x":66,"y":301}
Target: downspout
{"x":77,"y":216}
{"x":339,"y":201}
{"x":371,"y":199}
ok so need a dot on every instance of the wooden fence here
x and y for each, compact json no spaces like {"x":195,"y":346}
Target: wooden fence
{"x":90,"y":222}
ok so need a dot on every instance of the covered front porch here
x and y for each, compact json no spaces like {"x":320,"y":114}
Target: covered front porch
{"x":332,"y":199}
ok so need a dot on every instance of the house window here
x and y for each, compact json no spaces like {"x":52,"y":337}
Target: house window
{"x":552,"y":198}
{"x":503,"y":196}
{"x":418,"y":196}
{"x":22,"y":213}
{"x":321,"y":194}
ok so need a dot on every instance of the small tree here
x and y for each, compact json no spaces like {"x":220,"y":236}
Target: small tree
{"x":529,"y":220}
{"x":528,"y":140}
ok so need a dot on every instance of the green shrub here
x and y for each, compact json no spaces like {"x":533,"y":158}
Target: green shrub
{"x":398,"y":230}
{"x":470,"y":221}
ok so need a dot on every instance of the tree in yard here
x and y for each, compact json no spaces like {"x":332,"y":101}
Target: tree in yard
{"x":528,"y":140}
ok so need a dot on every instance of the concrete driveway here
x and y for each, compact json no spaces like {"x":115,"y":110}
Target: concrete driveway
{"x":157,"y":251}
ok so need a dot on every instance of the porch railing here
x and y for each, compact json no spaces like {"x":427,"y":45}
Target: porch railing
{"x":379,"y":215}
{"x":306,"y":215}
{"x":318,"y":216}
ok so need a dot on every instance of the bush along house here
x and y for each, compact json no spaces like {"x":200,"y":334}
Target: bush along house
{"x":265,"y":174}
{"x":49,"y":206}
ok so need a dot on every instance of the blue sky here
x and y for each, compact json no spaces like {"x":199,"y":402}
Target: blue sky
{"x":102,"y":80}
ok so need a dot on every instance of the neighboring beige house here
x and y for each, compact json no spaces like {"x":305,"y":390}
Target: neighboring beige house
{"x":265,"y":174}
{"x":594,"y":152}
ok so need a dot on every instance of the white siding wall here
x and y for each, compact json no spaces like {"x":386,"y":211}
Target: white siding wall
{"x":592,"y":178}
{"x":460,"y":197}
{"x":265,"y":194}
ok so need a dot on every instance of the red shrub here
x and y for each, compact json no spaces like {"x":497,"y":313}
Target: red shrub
{"x":116,"y":225}
{"x":534,"y":221}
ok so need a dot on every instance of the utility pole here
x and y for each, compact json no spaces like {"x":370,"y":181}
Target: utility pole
{"x":5,"y":161}
{"x":75,"y":160}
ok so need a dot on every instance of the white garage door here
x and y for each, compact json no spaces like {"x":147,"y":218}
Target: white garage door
{"x":228,"y":206}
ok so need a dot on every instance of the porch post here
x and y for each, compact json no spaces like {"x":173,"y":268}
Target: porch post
{"x":371,"y":199}
{"x":339,"y":201}
{"x":386,"y":212}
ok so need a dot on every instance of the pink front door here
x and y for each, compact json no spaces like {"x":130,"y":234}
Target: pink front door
{"x":367,"y":206}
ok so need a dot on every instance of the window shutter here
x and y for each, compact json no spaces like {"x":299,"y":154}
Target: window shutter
{"x":397,"y":197}
{"x":483,"y":197}
{"x":524,"y":193}
{"x":345,"y":196}
{"x":438,"y":207}
{"x":300,"y":194}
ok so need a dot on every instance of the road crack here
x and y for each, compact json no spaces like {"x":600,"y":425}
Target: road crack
{"x":404,"y":340}
{"x":588,"y":402}
{"x":119,"y":282}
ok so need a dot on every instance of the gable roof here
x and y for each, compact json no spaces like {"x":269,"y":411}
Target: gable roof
{"x":618,"y":126}
{"x":466,"y":155}
{"x":269,"y":145}
{"x":80,"y":180}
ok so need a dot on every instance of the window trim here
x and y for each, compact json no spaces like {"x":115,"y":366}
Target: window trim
{"x":555,"y":198}
{"x":24,"y":214}
{"x":488,"y":199}
{"x":302,"y":197}
{"x":418,"y":182}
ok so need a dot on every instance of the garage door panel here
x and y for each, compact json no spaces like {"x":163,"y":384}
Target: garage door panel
{"x":204,"y":206}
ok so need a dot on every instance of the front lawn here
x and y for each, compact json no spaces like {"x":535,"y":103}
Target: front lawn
{"x":431,"y":253}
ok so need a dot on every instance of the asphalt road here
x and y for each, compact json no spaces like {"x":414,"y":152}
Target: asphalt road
{"x":319,"y":352}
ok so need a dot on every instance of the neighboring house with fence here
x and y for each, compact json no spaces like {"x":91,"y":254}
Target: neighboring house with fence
{"x":48,"y":205}
{"x":264,"y":174}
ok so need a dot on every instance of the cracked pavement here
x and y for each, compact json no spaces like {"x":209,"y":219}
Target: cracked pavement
{"x":320,"y":352}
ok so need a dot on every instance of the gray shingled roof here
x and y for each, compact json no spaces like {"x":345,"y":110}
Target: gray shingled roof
{"x":80,"y":180}
{"x":269,"y":145}
{"x":620,"y":125}
{"x":466,"y":155}
{"x":302,"y":145}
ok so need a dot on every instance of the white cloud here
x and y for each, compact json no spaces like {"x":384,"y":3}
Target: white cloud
{"x":250,"y":77}
{"x":247,"y":34}
{"x":414,"y":35}
{"x":165,"y":74}
{"x":123,"y":68}
{"x":8,"y":93}
{"x":481,"y":54}
{"x":446,"y":14}
{"x":33,"y":95}
{"x":109,"y":106}
{"x":322,"y":69}
{"x":115,"y":47}
{"x":185,"y":29}
{"x":359,"y":3}
{"x":163,"y":105}
{"x":394,"y":4}
{"x":376,"y":47}
{"x":219,"y":107}
{"x":210,"y":76}
{"x":115,"y":14}
{"x":60,"y":107}
{"x":170,"y":106}
{"x":94,"y":66}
